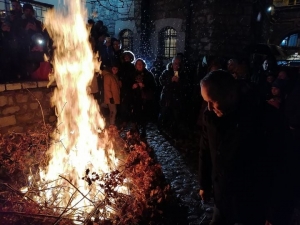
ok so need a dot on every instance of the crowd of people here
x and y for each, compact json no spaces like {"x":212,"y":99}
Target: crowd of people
{"x":249,"y":149}
{"x":249,"y":116}
{"x":128,"y":92}
{"x":249,"y":119}
{"x":23,"y":43}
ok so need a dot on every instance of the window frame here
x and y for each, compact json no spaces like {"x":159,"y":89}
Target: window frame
{"x":168,"y":50}
{"x":127,"y":41}
{"x":288,"y":39}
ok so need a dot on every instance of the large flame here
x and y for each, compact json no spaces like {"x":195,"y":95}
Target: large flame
{"x":78,"y":147}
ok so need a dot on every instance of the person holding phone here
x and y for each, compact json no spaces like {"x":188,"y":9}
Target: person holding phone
{"x":174,"y":84}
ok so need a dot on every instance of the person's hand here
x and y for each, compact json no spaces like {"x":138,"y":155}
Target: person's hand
{"x":134,"y":86}
{"x":141,"y":85}
{"x":203,"y":194}
{"x":274,"y":103}
{"x":175,"y":79}
{"x":31,"y":26}
{"x":267,"y":223}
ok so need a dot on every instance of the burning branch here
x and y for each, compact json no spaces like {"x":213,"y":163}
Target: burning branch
{"x":140,"y":174}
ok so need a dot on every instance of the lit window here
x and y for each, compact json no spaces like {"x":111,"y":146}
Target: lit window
{"x":291,"y":41}
{"x":126,"y":37}
{"x":167,"y":42}
{"x":284,"y":42}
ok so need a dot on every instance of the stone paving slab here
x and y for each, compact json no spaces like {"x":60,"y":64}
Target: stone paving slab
{"x":178,"y":173}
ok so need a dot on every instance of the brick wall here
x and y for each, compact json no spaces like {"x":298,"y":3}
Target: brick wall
{"x":20,"y":105}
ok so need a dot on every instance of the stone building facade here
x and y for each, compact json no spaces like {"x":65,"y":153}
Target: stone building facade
{"x":285,"y":22}
{"x":208,"y":27}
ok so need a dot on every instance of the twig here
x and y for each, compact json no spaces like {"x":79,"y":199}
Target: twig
{"x":17,"y":191}
{"x":25,"y":214}
{"x":61,"y":110}
{"x":39,"y":105}
{"x":69,"y":202}
{"x":77,"y":190}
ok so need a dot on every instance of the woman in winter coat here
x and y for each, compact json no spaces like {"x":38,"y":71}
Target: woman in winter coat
{"x":111,"y":92}
{"x":143,"y":88}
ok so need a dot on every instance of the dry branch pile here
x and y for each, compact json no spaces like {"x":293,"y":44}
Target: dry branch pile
{"x":23,"y":153}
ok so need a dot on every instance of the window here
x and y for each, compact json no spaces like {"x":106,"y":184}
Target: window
{"x":126,"y":37}
{"x":167,"y":42}
{"x":292,"y":40}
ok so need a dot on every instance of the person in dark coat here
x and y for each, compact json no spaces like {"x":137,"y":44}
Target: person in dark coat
{"x":173,"y":97}
{"x":230,"y":150}
{"x":284,"y":195}
{"x":143,"y":88}
{"x":126,"y":76}
{"x":117,"y":51}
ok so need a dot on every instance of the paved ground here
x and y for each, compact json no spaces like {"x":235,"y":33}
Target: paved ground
{"x":179,"y":159}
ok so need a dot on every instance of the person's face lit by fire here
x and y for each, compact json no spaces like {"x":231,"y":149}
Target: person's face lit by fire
{"x":219,"y":104}
{"x":176,"y":64}
{"x":114,"y":70}
{"x":139,"y":65}
{"x":275,"y":91}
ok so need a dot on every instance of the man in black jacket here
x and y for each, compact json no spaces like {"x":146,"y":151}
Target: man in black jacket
{"x":230,"y":154}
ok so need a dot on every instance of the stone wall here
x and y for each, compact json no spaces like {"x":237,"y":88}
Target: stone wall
{"x":21,"y":103}
{"x":220,"y":28}
{"x":212,"y":27}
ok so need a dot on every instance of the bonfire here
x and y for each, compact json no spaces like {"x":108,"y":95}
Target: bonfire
{"x":77,"y":172}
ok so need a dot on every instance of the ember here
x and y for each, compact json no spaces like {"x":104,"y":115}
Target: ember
{"x":88,"y":174}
